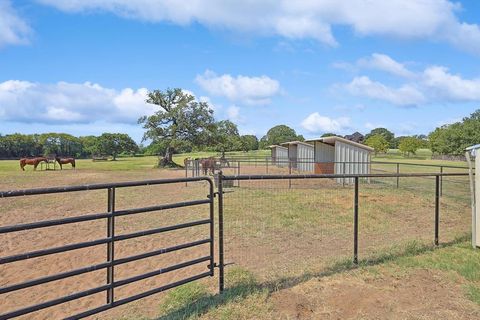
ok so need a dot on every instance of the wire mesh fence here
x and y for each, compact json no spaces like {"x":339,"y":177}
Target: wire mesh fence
{"x":283,"y":227}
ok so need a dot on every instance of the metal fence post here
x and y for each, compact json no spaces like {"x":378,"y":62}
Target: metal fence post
{"x":355,"y":224}
{"x":441,"y":181}
{"x":221,"y":283}
{"x":110,"y":245}
{"x":437,"y":208}
{"x":398,"y":178}
{"x":238,"y":173}
{"x":289,"y":173}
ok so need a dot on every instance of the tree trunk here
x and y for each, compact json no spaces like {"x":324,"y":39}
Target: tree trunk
{"x":167,"y":160}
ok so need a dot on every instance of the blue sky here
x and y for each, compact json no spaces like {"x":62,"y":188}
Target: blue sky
{"x":84,"y":67}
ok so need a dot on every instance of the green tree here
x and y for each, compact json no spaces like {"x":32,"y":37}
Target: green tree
{"x":388,"y":135}
{"x":409,"y":145}
{"x":249,"y":142}
{"x":115,"y":143}
{"x":179,"y":119}
{"x":280,"y":134}
{"x":378,"y":143}
{"x":329,"y":134}
{"x":226,"y":137}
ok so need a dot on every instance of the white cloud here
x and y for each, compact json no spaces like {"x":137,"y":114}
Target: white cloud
{"x":251,"y":90}
{"x":445,"y":85}
{"x":385,"y":63}
{"x":233,"y":114}
{"x":13,"y":29}
{"x":64,"y":102}
{"x":316,"y":123}
{"x":308,"y":19}
{"x":406,"y":95}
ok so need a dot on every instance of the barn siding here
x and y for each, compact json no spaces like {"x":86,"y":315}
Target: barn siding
{"x":280,"y":157}
{"x":352,"y":155}
{"x":305,"y":156}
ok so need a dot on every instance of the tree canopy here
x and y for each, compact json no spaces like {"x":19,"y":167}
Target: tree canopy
{"x":378,"y":143}
{"x":280,"y":134}
{"x":452,"y":139}
{"x":180,"y":119}
{"x":387,"y":134}
{"x":409,"y":145}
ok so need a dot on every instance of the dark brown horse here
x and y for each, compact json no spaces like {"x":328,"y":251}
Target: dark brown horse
{"x":31,"y":161}
{"x":208,"y":164}
{"x":65,"y":161}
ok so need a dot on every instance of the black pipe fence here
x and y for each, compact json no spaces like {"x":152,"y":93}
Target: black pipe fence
{"x":110,"y":240}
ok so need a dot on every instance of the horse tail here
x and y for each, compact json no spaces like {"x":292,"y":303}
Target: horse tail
{"x":73,"y":163}
{"x":22,"y":164}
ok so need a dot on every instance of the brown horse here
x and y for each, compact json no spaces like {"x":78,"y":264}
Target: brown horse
{"x":65,"y":161}
{"x":31,"y":161}
{"x":208,"y":164}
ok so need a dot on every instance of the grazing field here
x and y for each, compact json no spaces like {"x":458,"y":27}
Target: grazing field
{"x":288,"y":246}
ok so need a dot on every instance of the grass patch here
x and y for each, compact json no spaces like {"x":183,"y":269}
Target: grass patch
{"x":244,"y":298}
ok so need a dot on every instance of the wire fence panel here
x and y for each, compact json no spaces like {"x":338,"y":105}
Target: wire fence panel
{"x":285,"y":227}
{"x":279,"y":230}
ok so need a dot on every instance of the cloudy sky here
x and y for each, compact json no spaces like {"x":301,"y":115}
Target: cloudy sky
{"x":85,"y":66}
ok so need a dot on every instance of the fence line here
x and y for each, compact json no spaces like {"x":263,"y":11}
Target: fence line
{"x":356,"y":214}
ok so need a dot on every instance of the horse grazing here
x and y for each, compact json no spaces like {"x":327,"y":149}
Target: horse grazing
{"x":186,"y":161}
{"x":65,"y":161}
{"x":31,"y":161}
{"x":208,"y":164}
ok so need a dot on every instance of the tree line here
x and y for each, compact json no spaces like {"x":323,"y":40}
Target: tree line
{"x":182,"y":124}
{"x":19,"y":145}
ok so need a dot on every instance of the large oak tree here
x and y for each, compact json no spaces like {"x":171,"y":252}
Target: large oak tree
{"x":180,"y":119}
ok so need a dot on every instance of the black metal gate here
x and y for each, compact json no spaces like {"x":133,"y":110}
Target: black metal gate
{"x":109,"y":265}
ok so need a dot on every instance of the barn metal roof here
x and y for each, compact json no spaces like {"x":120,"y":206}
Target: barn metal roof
{"x":297,"y":142}
{"x":333,"y":139}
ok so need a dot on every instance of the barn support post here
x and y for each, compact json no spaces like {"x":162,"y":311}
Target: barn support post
{"x":110,"y":244}
{"x":221,"y":263}
{"x":437,"y":208}
{"x":344,"y":172}
{"x":355,"y":223}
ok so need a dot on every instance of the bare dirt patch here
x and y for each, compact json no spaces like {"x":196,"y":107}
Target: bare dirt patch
{"x":419,"y":294}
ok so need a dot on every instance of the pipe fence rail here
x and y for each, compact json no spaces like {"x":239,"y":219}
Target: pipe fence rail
{"x":110,"y":240}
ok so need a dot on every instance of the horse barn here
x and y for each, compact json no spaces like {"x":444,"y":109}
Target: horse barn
{"x":336,"y":155}
{"x":279,"y":155}
{"x":301,"y":155}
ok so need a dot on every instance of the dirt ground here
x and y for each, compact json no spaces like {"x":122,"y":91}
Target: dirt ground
{"x":420,"y":294}
{"x":315,"y":225}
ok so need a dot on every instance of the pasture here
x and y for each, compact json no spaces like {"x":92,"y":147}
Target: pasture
{"x":288,"y":245}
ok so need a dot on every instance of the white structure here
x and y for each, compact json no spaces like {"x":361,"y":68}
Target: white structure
{"x":279,"y":155}
{"x":474,"y":151}
{"x":336,"y":155}
{"x":301,"y":155}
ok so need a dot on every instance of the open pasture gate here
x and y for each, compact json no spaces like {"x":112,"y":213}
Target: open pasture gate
{"x":113,"y":237}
